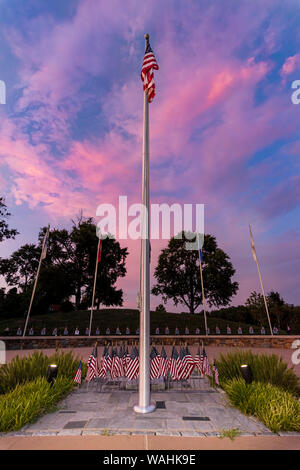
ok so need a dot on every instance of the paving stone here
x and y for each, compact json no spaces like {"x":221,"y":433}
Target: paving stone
{"x":97,"y":423}
{"x":136,"y":433}
{"x":212,"y":434}
{"x":190,"y":434}
{"x":70,"y":432}
{"x":289,"y":433}
{"x":75,"y":424}
{"x":167,"y":433}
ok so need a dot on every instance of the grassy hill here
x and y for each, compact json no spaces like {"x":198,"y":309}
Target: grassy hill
{"x":112,"y":318}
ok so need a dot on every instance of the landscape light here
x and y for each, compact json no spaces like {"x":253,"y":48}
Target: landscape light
{"x":247,"y":373}
{"x":52,"y":373}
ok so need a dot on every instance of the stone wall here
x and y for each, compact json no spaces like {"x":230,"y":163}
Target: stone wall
{"x":46,"y":342}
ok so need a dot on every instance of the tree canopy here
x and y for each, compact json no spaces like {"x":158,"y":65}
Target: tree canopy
{"x":178,"y":276}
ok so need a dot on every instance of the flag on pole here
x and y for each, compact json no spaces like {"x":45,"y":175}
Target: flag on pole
{"x":147,"y":74}
{"x":174,"y":364}
{"x":163,"y":367}
{"x":200,"y":247}
{"x":100,"y":250}
{"x":215,"y":369}
{"x":206,"y":365}
{"x":103,"y":368}
{"x":133,"y":366}
{"x":154,"y":364}
{"x":92,"y":364}
{"x":197,"y":361}
{"x":77,"y":377}
{"x":45,"y":244}
{"x":252,"y":245}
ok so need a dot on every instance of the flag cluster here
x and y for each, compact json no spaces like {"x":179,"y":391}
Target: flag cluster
{"x":116,"y":363}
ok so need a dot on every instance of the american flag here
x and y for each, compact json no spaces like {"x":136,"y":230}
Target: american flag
{"x":77,"y":377}
{"x":125,"y":361}
{"x":45,"y":244}
{"x":189,"y":363}
{"x":92,"y":364}
{"x":215,"y":369}
{"x":206,"y":366}
{"x":147,"y":74}
{"x":132,"y":371}
{"x":174,"y":364}
{"x":163,"y":366}
{"x":103,"y":368}
{"x":198,"y":362}
{"x":115,"y":366}
{"x":154,"y":364}
{"x":99,"y":250}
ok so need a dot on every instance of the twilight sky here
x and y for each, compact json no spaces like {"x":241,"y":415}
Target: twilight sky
{"x":224,"y":131}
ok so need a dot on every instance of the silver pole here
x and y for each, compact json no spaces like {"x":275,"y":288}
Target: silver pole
{"x":260,"y":279}
{"x":203,"y":298}
{"x":144,"y":405}
{"x":35,"y":283}
{"x":94,"y":288}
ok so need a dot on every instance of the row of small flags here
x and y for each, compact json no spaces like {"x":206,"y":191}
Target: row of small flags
{"x":120,"y":363}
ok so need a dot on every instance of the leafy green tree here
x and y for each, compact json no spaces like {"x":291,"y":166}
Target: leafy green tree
{"x":21,"y":267}
{"x":5,"y":231}
{"x":276,"y":307}
{"x":178,"y":278}
{"x":256,"y":304}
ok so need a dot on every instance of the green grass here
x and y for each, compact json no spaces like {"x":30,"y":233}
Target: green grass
{"x":279,"y":410}
{"x":27,"y":369}
{"x":26,"y":402}
{"x":265,"y":368}
{"x":230,"y":433}
{"x":123,"y":317}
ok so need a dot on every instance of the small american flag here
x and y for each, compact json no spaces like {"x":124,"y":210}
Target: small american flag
{"x":132,"y":371}
{"x":103,"y":368}
{"x":147,"y":74}
{"x":77,"y":377}
{"x":154,"y":364}
{"x":92,"y":364}
{"x":206,"y":366}
{"x":174,"y":364}
{"x":197,"y":361}
{"x":215,"y":369}
{"x":163,"y":366}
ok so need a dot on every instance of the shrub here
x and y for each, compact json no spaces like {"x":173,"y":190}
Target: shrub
{"x":277,"y":409}
{"x":27,"y":401}
{"x":266,"y":369}
{"x":26,"y":369}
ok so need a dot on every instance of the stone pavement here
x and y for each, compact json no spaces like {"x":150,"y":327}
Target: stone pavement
{"x":195,"y":412}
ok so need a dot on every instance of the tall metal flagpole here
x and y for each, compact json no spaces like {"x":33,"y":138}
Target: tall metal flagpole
{"x":202,"y":286}
{"x":94,"y":288}
{"x":36,"y":280}
{"x":144,"y":405}
{"x":260,"y":278}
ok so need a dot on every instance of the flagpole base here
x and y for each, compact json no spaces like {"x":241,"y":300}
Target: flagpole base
{"x":144,"y":409}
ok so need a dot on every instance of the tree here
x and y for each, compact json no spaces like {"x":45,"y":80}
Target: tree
{"x":178,"y":277}
{"x":255,"y":303}
{"x":75,"y":251}
{"x":68,"y":268}
{"x":21,"y":267}
{"x":5,"y":231}
{"x":276,"y":307}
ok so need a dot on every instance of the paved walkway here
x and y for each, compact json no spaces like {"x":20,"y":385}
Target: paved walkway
{"x":199,"y":413}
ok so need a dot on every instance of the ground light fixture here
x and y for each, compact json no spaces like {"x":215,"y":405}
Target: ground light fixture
{"x":246,"y":373}
{"x":52,"y":373}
